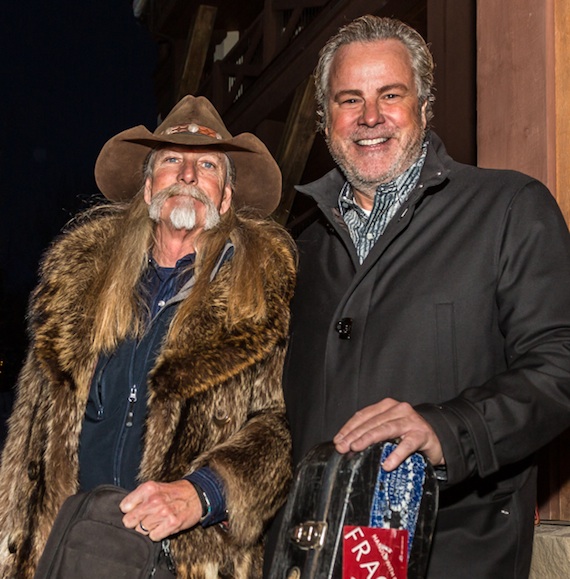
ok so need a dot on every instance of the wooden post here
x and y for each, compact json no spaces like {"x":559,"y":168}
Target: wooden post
{"x":296,"y":144}
{"x":198,"y":43}
{"x":523,"y":120}
{"x":271,"y":29}
{"x":561,"y":124}
{"x":451,"y":35}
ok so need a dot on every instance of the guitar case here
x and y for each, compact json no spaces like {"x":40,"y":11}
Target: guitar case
{"x":348,"y":518}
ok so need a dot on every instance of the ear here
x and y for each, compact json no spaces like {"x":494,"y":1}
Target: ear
{"x":226,"y":199}
{"x":148,"y":190}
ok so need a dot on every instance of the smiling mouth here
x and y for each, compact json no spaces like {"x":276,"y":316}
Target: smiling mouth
{"x":370,"y":142}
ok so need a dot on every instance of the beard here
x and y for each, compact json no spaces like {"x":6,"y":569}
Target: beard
{"x":183,"y":216}
{"x":364,"y":177}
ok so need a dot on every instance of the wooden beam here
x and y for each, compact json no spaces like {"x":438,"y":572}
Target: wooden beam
{"x":451,"y":34}
{"x":298,"y":60}
{"x":554,"y":467}
{"x":272,"y":24}
{"x":561,"y":126}
{"x":295,"y":145}
{"x":198,"y":44}
{"x":290,"y":4}
{"x":513,"y":82}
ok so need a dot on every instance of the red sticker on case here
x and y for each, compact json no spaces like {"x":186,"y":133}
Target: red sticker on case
{"x":372,"y":553}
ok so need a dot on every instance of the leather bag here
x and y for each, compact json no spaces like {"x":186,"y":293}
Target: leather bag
{"x":89,"y":541}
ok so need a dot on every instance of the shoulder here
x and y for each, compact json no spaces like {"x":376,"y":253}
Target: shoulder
{"x":506,"y":182}
{"x":269,"y":248}
{"x":89,"y":227}
{"x":495,"y":189}
{"x":273,"y":237}
{"x":508,"y":190}
{"x":83,"y":236}
{"x":74,"y":257}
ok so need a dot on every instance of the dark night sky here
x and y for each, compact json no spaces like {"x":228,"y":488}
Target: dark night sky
{"x":74,"y":73}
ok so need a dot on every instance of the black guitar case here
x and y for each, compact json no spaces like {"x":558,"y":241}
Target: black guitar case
{"x":382,"y":522}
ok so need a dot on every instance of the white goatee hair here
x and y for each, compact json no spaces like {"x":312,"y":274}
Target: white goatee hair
{"x":184,"y":216}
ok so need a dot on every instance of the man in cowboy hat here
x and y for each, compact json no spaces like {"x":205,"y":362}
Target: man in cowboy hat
{"x":157,"y":336}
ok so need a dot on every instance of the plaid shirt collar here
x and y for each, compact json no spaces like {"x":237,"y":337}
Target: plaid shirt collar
{"x":365,"y":227}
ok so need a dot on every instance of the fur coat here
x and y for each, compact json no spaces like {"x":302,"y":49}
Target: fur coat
{"x":214,"y":398}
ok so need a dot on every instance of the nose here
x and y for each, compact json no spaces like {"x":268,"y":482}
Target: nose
{"x":371,"y":114}
{"x":188,"y":173}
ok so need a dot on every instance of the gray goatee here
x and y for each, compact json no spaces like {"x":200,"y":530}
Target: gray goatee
{"x":183,"y":216}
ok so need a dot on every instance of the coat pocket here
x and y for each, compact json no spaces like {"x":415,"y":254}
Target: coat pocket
{"x":446,"y":351}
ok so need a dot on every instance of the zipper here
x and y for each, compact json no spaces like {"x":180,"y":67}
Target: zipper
{"x":141,"y":351}
{"x":99,"y":395}
{"x":131,"y":408}
{"x":164,"y":554}
{"x":132,"y":400}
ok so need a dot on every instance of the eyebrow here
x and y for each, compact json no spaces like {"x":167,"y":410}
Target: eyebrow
{"x":164,"y":151}
{"x":174,"y":150}
{"x":343,"y":93}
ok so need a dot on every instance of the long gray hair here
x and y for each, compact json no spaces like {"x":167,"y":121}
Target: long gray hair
{"x":370,"y":28}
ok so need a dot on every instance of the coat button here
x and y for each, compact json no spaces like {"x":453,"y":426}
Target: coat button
{"x":344,"y":328}
{"x":33,"y":470}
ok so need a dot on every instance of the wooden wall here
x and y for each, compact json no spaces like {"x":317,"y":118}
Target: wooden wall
{"x":451,"y":34}
{"x":523,"y":78}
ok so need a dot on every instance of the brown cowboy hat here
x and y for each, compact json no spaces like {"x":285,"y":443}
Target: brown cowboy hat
{"x":192,"y":122}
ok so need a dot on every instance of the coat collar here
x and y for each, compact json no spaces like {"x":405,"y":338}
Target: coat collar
{"x":325,"y":192}
{"x":184,"y":292}
{"x":207,"y":352}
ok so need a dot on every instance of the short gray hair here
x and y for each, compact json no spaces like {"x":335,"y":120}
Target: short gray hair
{"x":370,"y":29}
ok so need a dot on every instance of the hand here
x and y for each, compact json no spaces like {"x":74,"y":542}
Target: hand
{"x":390,"y":420}
{"x":162,"y":508}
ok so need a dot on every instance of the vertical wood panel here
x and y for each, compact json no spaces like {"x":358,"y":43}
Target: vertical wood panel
{"x":451,"y":35}
{"x":512,"y":77}
{"x":296,"y":143}
{"x":562,"y":95}
{"x":198,"y":43}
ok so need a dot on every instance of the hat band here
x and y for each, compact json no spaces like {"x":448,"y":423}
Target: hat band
{"x":193,"y":128}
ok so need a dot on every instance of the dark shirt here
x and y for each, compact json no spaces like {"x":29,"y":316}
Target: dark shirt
{"x":111,"y":441}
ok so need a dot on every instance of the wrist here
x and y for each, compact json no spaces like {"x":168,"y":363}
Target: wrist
{"x":205,"y":503}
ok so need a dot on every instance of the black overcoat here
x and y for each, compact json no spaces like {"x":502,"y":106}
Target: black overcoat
{"x":462,"y":308}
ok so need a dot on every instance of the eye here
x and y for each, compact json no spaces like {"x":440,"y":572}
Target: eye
{"x":209,"y":164}
{"x":349,"y":102}
{"x":168,"y":159}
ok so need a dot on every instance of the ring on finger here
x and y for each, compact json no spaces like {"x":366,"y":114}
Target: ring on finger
{"x":143,"y":528}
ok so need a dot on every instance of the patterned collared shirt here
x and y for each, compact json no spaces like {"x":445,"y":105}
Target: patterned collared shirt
{"x":365,"y":227}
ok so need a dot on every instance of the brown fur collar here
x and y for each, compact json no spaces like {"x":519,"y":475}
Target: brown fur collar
{"x":62,"y":309}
